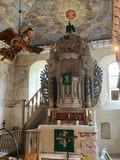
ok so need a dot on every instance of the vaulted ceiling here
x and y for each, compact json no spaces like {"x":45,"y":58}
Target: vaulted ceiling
{"x":48,"y":18}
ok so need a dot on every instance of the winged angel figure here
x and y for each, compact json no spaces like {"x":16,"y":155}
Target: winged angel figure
{"x":16,"y":43}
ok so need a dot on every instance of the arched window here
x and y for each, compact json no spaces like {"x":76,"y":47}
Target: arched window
{"x":34,"y":76}
{"x":113,"y":72}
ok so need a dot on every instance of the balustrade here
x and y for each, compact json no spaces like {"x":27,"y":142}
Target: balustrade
{"x":32,"y":141}
{"x":32,"y":106}
{"x":7,"y":143}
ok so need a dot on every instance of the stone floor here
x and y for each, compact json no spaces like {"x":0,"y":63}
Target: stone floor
{"x":115,"y":158}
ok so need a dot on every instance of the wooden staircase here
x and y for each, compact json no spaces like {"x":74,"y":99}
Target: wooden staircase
{"x":35,"y":111}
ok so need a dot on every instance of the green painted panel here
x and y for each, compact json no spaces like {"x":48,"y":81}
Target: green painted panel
{"x":66,"y":78}
{"x":64,"y":140}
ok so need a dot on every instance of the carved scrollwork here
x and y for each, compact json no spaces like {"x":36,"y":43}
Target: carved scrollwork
{"x":74,"y":45}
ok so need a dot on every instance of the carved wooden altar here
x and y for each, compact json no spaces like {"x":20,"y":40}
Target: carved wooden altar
{"x":71,"y":81}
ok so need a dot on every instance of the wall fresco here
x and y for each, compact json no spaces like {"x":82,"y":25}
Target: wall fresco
{"x":93,"y":18}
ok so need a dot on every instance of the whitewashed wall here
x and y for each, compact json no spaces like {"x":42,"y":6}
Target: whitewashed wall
{"x":21,"y":85}
{"x":104,"y":111}
{"x":14,"y":87}
{"x":6,"y":86}
{"x":23,"y":63}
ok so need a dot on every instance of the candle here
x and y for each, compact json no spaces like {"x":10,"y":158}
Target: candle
{"x":48,"y":112}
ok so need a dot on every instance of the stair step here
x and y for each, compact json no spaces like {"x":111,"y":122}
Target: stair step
{"x":14,"y":158}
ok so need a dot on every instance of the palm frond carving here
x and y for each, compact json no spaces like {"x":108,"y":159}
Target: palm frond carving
{"x":44,"y":83}
{"x":98,"y":75}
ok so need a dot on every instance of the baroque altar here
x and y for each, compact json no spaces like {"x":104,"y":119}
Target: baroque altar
{"x":74,"y":86}
{"x":74,"y":81}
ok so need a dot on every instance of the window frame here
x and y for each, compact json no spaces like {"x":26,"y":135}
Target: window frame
{"x":112,"y":88}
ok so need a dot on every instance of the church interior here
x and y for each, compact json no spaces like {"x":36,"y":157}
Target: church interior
{"x":59,"y":79}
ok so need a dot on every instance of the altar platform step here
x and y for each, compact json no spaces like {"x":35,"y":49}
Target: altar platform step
{"x":2,"y":154}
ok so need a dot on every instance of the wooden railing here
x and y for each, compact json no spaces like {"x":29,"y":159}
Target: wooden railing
{"x":32,"y":141}
{"x":7,"y":143}
{"x":32,"y":106}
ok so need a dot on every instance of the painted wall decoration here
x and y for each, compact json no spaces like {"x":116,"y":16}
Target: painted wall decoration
{"x":70,"y":14}
{"x":48,"y":18}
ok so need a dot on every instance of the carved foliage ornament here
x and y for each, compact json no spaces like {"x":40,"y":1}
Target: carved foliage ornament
{"x":44,"y":83}
{"x":74,"y":43}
